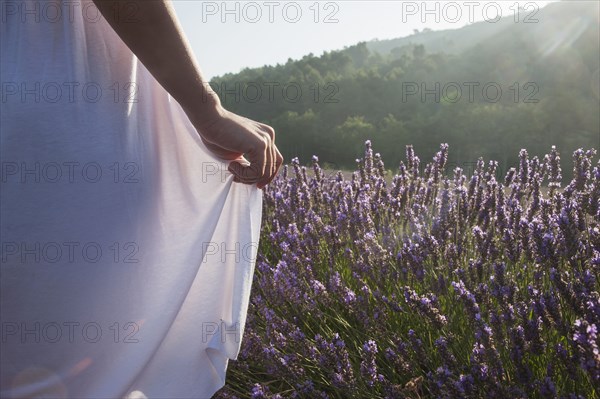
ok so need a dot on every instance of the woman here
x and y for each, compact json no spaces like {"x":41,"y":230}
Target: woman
{"x":128,"y":246}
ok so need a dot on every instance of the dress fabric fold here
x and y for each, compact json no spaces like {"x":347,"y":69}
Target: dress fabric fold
{"x":127,"y":250}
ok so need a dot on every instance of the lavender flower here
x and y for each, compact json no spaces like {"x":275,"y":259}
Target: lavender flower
{"x":338,"y":254}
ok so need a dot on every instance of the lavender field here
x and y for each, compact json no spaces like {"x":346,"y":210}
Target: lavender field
{"x":436,"y":285}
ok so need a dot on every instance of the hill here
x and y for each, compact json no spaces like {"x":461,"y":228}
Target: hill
{"x":488,"y":89}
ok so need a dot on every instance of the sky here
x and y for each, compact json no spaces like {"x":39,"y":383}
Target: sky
{"x":228,"y":36}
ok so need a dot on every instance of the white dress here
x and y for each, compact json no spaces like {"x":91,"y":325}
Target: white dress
{"x":127,"y":250}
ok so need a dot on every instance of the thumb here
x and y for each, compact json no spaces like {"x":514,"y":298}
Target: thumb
{"x":237,"y":170}
{"x":234,"y":168}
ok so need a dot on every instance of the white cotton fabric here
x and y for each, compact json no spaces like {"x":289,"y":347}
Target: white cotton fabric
{"x":127,"y":250}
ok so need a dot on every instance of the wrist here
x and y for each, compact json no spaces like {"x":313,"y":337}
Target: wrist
{"x":206,"y":111}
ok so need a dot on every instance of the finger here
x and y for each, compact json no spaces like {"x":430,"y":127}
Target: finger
{"x":243,"y":174}
{"x":253,"y":171}
{"x":270,"y":161}
{"x":256,"y":167}
{"x":278,"y":162}
{"x":273,"y":160}
{"x":258,"y":156}
{"x":270,"y":169}
{"x":279,"y":159}
{"x":269,"y":130}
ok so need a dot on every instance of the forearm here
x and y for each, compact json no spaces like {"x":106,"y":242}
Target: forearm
{"x":153,"y":34}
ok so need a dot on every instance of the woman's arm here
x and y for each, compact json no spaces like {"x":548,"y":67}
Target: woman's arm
{"x":154,"y":35}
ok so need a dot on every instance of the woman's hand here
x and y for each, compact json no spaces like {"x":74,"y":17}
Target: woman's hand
{"x":236,"y":138}
{"x":156,"y":38}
